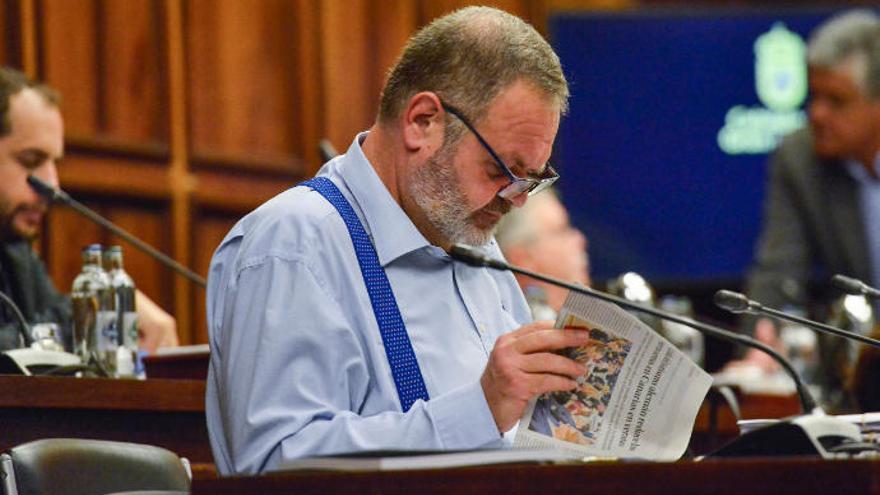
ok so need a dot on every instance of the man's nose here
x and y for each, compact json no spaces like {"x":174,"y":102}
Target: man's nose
{"x":519,"y":200}
{"x":817,"y":110}
{"x":48,"y":173}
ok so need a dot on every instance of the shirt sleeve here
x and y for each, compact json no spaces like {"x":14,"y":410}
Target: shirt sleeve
{"x":293,"y":375}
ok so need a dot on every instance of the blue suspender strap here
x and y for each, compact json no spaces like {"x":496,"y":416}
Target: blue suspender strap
{"x":398,"y":349}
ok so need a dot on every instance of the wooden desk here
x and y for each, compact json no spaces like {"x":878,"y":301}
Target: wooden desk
{"x":171,"y":413}
{"x":734,"y":477}
{"x":167,"y":413}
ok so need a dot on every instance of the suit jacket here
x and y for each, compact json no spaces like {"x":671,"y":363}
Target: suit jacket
{"x":23,"y":277}
{"x":813,"y":229}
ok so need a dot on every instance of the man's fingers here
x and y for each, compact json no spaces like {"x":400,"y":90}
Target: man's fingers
{"x":535,"y":326}
{"x":547,"y":362}
{"x":552,"y":383}
{"x":550,"y":340}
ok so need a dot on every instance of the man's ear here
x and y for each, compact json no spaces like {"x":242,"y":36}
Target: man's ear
{"x":422,"y":123}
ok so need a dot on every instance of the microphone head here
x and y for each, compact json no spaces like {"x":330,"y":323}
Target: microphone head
{"x":326,"y":149}
{"x":468,"y":254}
{"x":733,"y":301}
{"x":848,"y":285}
{"x":475,"y":257}
{"x":44,"y":189}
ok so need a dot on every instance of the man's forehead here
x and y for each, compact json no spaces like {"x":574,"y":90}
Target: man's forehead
{"x":35,"y":124}
{"x":842,"y":78}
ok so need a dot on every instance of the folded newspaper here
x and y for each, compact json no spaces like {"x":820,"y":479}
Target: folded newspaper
{"x":639,"y":398}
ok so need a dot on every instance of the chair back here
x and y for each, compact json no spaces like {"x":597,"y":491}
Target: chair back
{"x":87,"y":467}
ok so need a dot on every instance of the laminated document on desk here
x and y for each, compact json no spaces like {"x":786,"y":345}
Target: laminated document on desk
{"x":638,"y":399}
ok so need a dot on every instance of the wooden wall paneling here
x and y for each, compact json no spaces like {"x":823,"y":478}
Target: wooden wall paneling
{"x":133,"y":86}
{"x":149,"y":222}
{"x":392,"y":22}
{"x":210,"y":229}
{"x":87,"y":174}
{"x":105,"y":58}
{"x":66,"y":234}
{"x":308,"y":89}
{"x":8,"y":37}
{"x":431,"y":9}
{"x":27,"y":28}
{"x":179,"y":178}
{"x":68,"y":59}
{"x":236,"y":192}
{"x":347,"y":52}
{"x":240,"y":78}
{"x":543,"y":9}
{"x":11,"y":35}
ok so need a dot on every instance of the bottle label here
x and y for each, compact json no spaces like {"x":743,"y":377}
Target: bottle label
{"x":130,"y":329}
{"x":107,"y":332}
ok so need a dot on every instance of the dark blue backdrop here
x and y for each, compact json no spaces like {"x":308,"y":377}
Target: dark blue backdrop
{"x":642,"y":173}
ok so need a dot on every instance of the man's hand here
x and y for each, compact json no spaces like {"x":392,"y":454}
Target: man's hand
{"x":156,"y":328}
{"x":765,"y":332}
{"x":522,"y":366}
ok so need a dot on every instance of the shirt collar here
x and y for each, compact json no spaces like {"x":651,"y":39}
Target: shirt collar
{"x":393,"y":233}
{"x":858,"y":172}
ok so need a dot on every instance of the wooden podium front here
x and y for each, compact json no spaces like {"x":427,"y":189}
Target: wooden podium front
{"x":167,"y":413}
{"x":170,"y":413}
{"x":727,"y":477}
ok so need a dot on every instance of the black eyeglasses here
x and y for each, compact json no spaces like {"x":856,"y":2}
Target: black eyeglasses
{"x":518,"y":185}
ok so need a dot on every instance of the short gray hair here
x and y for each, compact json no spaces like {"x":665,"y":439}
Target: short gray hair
{"x":469,"y":56}
{"x":850,"y":35}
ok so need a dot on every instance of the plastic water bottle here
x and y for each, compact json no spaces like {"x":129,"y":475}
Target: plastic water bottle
{"x":123,"y":289}
{"x":94,"y":313}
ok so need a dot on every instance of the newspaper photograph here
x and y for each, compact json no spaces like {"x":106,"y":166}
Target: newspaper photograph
{"x":639,"y":397}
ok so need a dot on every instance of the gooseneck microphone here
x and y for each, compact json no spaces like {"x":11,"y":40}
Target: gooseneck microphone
{"x":59,"y":196}
{"x":326,"y":150}
{"x":476,"y":257}
{"x":854,"y":286}
{"x":739,"y":303}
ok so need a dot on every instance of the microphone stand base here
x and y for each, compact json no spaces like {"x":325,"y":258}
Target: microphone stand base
{"x":29,"y":361}
{"x":808,"y":435}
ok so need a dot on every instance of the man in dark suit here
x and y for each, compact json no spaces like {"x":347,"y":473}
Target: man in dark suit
{"x":822,"y":213}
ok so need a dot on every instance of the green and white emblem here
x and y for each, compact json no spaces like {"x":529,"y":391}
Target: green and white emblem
{"x":780,"y":68}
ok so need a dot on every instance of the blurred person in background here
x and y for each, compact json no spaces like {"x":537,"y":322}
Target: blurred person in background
{"x":539,"y":237}
{"x":822,"y":210}
{"x":32,"y":142}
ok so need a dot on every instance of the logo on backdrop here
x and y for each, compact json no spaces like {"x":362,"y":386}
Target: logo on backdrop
{"x":781,"y":85}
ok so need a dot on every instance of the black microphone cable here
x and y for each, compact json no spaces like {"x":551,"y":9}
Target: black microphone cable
{"x":23,"y":326}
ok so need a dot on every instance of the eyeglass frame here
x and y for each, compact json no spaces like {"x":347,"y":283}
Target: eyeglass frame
{"x":517,"y":185}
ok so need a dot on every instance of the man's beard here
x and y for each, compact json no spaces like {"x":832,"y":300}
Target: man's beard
{"x":436,"y":189}
{"x":8,"y":228}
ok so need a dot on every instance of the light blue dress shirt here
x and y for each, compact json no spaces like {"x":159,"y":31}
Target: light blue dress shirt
{"x":869,"y":204}
{"x":297,"y":363}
